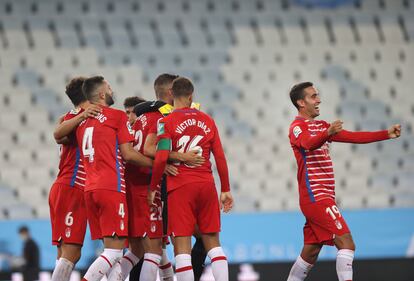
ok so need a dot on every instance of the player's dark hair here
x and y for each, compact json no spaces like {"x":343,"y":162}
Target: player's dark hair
{"x":74,"y":90}
{"x":90,"y":85}
{"x":297,"y":93}
{"x":132,"y":101}
{"x":162,"y":83}
{"x":182,"y":87}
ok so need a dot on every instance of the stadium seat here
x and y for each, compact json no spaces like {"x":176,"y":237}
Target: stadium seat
{"x":243,"y":56}
{"x":19,"y":211}
{"x":33,"y":195}
{"x":8,"y":197}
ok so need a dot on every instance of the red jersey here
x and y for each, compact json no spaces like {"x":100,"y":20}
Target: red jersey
{"x":141,"y":176}
{"x":310,"y":143}
{"x":71,"y":170}
{"x":190,"y":129}
{"x":100,"y":138}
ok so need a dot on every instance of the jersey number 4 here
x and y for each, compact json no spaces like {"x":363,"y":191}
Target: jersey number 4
{"x":87,"y":148}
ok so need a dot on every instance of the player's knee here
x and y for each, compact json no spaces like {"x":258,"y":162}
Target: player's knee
{"x":351,"y":245}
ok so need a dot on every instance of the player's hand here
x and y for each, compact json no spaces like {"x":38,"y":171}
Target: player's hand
{"x":151,"y":197}
{"x":92,"y":111}
{"x":171,"y":170}
{"x":192,"y":158}
{"x":394,"y":131}
{"x":335,"y":127}
{"x":226,"y":201}
{"x":61,"y":119}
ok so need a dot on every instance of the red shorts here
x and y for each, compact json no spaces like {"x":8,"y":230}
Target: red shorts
{"x":144,"y":220}
{"x":67,"y":214}
{"x":191,"y":204}
{"x":323,"y":222}
{"x":107,"y":213}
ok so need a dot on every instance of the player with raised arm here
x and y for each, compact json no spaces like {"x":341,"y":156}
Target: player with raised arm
{"x":67,"y":207}
{"x":106,"y":142}
{"x":325,"y":224}
{"x":192,"y":195}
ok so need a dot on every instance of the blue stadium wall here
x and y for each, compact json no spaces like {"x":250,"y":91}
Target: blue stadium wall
{"x":271,"y":241}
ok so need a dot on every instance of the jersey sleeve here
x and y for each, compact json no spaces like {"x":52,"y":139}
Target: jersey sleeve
{"x":163,"y":150}
{"x":163,"y":135}
{"x":153,"y":123}
{"x":360,"y":137}
{"x":301,"y":137}
{"x":124,"y":131}
{"x":221,"y":162}
{"x":70,"y":115}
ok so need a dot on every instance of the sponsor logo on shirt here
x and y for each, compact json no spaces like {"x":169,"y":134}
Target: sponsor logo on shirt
{"x":297,"y":131}
{"x":160,"y":129}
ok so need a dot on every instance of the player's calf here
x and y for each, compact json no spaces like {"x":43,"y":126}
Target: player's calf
{"x":216,"y":254}
{"x":70,"y":255}
{"x":345,"y":256}
{"x":152,"y":259}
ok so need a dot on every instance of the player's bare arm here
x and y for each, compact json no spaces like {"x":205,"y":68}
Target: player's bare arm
{"x":67,"y":127}
{"x":191,"y":157}
{"x":130,"y":155}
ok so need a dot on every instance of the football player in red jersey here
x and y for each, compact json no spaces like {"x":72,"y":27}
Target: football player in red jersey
{"x":67,"y":207}
{"x":146,"y":223}
{"x":192,"y":195}
{"x":163,"y":93}
{"x":129,"y":104}
{"x":106,"y":142}
{"x":310,"y":140}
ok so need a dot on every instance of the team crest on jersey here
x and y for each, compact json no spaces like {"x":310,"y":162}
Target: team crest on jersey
{"x":338,"y":224}
{"x":129,"y":128}
{"x":75,"y":111}
{"x":153,"y":227}
{"x":297,"y":131}
{"x":160,"y":129}
{"x":67,"y":232}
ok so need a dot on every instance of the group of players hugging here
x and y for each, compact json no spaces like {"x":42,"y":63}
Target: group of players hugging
{"x":143,"y":176}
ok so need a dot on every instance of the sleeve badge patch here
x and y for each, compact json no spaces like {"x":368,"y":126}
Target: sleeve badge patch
{"x":297,"y":131}
{"x":160,"y":129}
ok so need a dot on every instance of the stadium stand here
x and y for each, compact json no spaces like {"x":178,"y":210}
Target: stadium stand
{"x":242,"y":56}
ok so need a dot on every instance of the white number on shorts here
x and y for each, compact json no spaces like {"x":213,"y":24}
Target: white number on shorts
{"x":184,"y":144}
{"x":138,"y":140}
{"x":87,"y":148}
{"x":69,"y":219}
{"x":121,"y":211}
{"x":332,"y":211}
{"x":154,"y":217}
